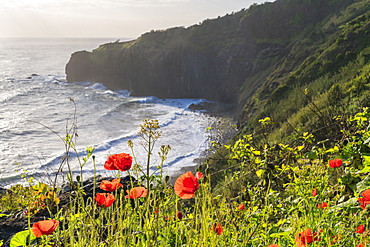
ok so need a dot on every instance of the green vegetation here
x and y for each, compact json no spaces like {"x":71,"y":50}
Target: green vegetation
{"x":310,"y":193}
{"x":258,"y":58}
{"x":29,"y":198}
{"x":297,"y":173}
{"x":324,"y":74}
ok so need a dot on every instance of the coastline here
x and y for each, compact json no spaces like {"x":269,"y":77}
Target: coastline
{"x":219,"y":116}
{"x":221,"y":131}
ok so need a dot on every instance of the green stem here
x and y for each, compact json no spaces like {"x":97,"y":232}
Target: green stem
{"x":148,"y":163}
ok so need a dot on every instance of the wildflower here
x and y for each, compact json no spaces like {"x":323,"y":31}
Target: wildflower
{"x":217,"y":228}
{"x":179,"y":215}
{"x":273,"y":245}
{"x":120,"y":162}
{"x":137,"y":192}
{"x":335,"y":239}
{"x":365,"y":199}
{"x":44,"y":227}
{"x":199,"y":175}
{"x":360,"y":229}
{"x":314,"y":192}
{"x":305,"y":237}
{"x":335,"y":163}
{"x":241,"y":206}
{"x":186,"y":185}
{"x":322,"y":205}
{"x":110,"y":186}
{"x":360,"y":245}
{"x":104,"y":199}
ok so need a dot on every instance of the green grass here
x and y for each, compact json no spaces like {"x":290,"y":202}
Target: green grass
{"x":273,"y":182}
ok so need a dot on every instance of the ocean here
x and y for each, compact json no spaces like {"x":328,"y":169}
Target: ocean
{"x":36,"y":112}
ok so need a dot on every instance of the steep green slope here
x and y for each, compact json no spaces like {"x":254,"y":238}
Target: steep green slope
{"x":324,"y":75}
{"x":299,"y":62}
{"x":211,"y":60}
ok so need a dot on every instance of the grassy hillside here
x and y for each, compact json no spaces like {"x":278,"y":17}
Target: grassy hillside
{"x":323,"y":74}
{"x":295,"y":61}
{"x":224,"y":59}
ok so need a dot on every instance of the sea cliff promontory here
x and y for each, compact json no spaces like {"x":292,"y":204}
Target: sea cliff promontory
{"x":209,"y":60}
{"x":168,"y":64}
{"x":261,"y":58}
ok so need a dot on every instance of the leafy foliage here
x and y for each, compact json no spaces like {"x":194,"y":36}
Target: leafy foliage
{"x":271,"y":194}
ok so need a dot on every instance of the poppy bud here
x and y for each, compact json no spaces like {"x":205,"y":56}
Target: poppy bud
{"x":179,"y":215}
{"x":314,"y":192}
{"x":199,"y":175}
{"x":360,"y":229}
{"x":217,"y":228}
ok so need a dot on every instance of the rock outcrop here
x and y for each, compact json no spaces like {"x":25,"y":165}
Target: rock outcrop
{"x":223,"y":59}
{"x":174,"y":70}
{"x":260,"y":59}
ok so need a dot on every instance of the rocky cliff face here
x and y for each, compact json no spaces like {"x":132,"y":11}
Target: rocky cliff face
{"x":175,"y":71}
{"x":224,"y":59}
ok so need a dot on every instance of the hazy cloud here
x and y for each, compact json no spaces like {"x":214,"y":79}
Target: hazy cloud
{"x":106,"y":18}
{"x":40,"y":4}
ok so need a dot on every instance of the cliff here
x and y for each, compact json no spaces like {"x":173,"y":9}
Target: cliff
{"x":167,"y":64}
{"x":257,"y":58}
{"x":210,"y":60}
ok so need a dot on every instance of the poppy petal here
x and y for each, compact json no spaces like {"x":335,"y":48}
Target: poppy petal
{"x":366,"y":194}
{"x":137,"y":192}
{"x":186,"y":185}
{"x":44,"y":227}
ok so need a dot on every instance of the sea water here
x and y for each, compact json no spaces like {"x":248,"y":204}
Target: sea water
{"x":38,"y":108}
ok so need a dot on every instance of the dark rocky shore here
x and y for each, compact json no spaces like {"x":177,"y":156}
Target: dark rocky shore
{"x":18,"y":221}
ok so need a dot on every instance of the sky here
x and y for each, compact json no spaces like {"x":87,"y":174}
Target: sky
{"x":107,"y":18}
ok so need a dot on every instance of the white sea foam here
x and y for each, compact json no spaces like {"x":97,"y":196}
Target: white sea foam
{"x":98,"y":86}
{"x":36,"y":113}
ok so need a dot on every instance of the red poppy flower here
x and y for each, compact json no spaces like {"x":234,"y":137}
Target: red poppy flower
{"x":179,"y":215}
{"x":336,"y":239}
{"x":360,"y":229}
{"x":186,"y":185}
{"x":365,"y":199}
{"x":137,"y":192}
{"x":217,"y":228}
{"x":110,"y":186}
{"x":199,"y":175}
{"x":361,"y":245}
{"x":314,"y":192}
{"x":120,"y":162}
{"x":335,"y":163}
{"x":241,"y":206}
{"x":104,"y":199}
{"x":305,"y":237}
{"x":322,"y":205}
{"x":273,"y":245}
{"x":44,"y":227}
